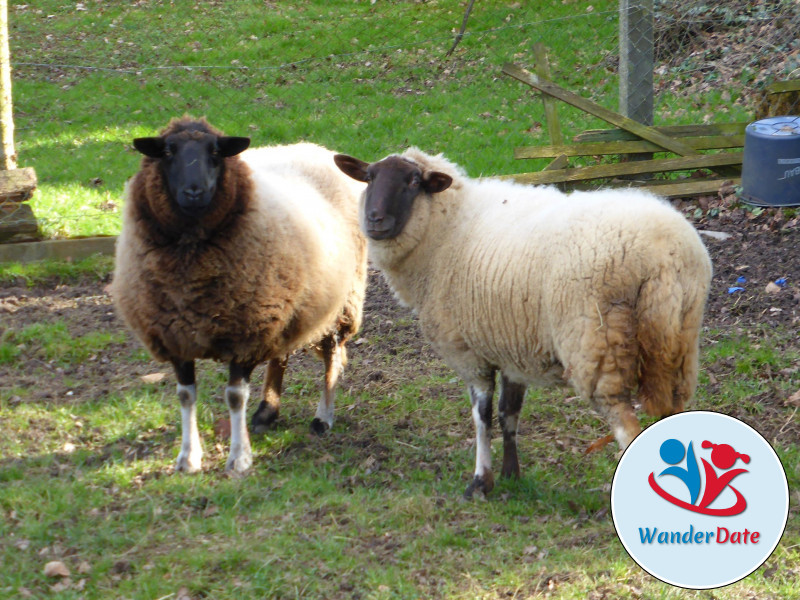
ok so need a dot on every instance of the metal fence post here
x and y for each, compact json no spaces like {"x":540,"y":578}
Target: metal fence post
{"x":636,"y":60}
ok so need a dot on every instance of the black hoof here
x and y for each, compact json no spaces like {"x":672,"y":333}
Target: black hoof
{"x":510,"y":468}
{"x":318,"y":426}
{"x":264,"y":417}
{"x":479,"y":487}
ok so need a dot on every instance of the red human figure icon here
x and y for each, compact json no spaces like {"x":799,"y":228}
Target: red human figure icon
{"x":724,"y":457}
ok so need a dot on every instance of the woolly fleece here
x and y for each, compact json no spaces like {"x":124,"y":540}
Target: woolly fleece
{"x":604,"y":289}
{"x":278,"y":264}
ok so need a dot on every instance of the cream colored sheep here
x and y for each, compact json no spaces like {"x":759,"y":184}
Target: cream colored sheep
{"x":605,"y":289}
{"x":243,"y":257}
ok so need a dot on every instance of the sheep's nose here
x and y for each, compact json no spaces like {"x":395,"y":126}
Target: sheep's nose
{"x":193,"y":195}
{"x":374,"y":217}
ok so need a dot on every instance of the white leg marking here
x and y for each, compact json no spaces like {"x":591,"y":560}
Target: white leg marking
{"x":191,"y":454}
{"x":483,"y":451}
{"x":241,"y":456}
{"x":325,"y":408}
{"x":622,"y":437}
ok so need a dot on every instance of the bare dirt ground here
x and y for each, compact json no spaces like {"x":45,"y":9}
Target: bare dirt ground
{"x":390,"y":351}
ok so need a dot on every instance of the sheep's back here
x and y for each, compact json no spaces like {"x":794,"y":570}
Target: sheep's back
{"x":535,"y":267}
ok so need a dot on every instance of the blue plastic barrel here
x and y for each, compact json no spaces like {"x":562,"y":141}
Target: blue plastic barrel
{"x":771,"y":163}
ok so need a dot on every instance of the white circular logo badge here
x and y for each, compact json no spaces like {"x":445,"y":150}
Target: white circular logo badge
{"x":699,"y":500}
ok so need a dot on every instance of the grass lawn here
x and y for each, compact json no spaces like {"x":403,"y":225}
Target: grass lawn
{"x":372,"y":510}
{"x":363,"y":78}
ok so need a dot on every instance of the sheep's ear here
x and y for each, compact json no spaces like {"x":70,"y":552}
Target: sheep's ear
{"x":231,"y":146}
{"x":436,"y":182}
{"x":357,"y":169}
{"x":150,"y":146}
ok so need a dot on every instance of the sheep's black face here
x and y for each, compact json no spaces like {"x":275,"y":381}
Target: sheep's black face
{"x":392,"y":186}
{"x":191,"y":163}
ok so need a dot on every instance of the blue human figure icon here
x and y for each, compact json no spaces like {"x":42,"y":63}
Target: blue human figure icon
{"x":672,"y":453}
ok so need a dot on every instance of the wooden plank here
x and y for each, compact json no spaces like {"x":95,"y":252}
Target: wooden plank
{"x":686,"y":189}
{"x":603,"y":148}
{"x":676,"y":188}
{"x":702,"y":161}
{"x":15,"y":219}
{"x":72,"y":249}
{"x":678,"y":131}
{"x":17,"y":185}
{"x":643,"y":131}
{"x":779,"y":87}
{"x":559,"y":162}
{"x":550,"y":106}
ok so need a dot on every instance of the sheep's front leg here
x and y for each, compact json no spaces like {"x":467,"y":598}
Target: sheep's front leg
{"x":334,"y":356}
{"x":191,"y":454}
{"x":481,"y":395}
{"x":511,"y":397}
{"x":267,"y":411}
{"x":236,"y":394}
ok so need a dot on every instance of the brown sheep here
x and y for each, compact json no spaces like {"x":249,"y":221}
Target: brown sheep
{"x":242,"y":257}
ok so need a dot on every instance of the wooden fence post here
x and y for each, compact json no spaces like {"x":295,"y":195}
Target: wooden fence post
{"x":8,"y":156}
{"x":16,"y":185}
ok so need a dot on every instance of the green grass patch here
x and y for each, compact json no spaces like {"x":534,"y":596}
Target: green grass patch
{"x":365,"y":79}
{"x":373,"y":509}
{"x":55,"y":272}
{"x":53,"y":342}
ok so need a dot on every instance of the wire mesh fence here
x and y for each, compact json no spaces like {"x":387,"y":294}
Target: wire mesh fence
{"x":731,"y":50}
{"x":367,"y":78}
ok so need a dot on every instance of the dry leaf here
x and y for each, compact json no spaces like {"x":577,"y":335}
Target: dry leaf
{"x":84,"y":568}
{"x":599,"y":444}
{"x":22,"y":544}
{"x":794,"y":399}
{"x":62,"y":585}
{"x":153,"y":377}
{"x":56,"y":568}
{"x":183,"y":594}
{"x":772,"y":288}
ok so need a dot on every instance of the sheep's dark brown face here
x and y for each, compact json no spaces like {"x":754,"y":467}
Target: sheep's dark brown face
{"x":392,"y":186}
{"x":192,"y":163}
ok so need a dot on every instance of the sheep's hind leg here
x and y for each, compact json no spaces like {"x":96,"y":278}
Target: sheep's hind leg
{"x":236,"y":395}
{"x":191,"y":454}
{"x":509,"y":406}
{"x":619,"y":414}
{"x":481,"y":395}
{"x":267,"y":412}
{"x":334,"y":356}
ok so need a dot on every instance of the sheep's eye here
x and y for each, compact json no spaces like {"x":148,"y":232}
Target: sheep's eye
{"x":169,"y":151}
{"x":415,"y":181}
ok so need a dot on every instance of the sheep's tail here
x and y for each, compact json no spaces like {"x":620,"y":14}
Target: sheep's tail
{"x":670,"y":313}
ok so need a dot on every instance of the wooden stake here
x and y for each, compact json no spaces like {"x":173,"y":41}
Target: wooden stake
{"x":8,"y":156}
